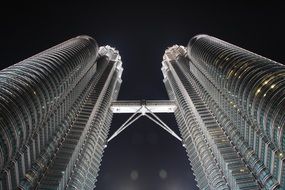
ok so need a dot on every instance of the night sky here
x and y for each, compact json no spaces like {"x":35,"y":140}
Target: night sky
{"x":144,"y":157}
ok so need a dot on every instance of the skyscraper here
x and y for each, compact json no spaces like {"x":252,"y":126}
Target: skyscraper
{"x":55,"y":115}
{"x":56,"y":109}
{"x":230,"y":113}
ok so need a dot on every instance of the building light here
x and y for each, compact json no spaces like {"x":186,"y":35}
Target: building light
{"x":258,"y":91}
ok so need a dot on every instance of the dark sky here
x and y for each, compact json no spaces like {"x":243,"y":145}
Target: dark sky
{"x":141,"y":32}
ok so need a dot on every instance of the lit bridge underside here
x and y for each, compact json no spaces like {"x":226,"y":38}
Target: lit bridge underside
{"x":56,"y":110}
{"x":146,"y":108}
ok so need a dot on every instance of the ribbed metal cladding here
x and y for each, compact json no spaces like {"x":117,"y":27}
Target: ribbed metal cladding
{"x":249,"y":90}
{"x":257,"y":82}
{"x":47,"y":98}
{"x":76,"y":164}
{"x":207,"y":170}
{"x":245,"y":154}
{"x":31,"y":88}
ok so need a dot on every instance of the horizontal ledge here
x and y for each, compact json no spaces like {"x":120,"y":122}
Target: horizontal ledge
{"x":143,"y":106}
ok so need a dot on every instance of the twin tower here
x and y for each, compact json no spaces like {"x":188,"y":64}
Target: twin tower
{"x":55,"y":114}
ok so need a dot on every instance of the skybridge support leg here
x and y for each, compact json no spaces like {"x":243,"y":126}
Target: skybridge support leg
{"x":144,"y":108}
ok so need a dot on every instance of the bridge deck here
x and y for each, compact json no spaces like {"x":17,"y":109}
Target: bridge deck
{"x":143,"y":106}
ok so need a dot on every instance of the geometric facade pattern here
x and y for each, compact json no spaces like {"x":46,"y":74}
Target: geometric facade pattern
{"x":55,"y":117}
{"x":230,"y":113}
{"x":56,"y":109}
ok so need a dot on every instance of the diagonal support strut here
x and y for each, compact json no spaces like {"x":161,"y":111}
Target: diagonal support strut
{"x":144,"y":108}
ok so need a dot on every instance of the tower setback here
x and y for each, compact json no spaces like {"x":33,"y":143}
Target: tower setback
{"x":56,"y":110}
{"x":55,"y":115}
{"x":230,"y":113}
